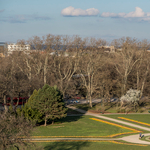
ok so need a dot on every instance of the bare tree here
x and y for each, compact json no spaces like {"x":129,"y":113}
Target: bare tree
{"x":89,"y":65}
{"x":124,"y":63}
{"x":8,"y":77}
{"x":36,"y":43}
{"x":12,"y":129}
{"x":142,"y":70}
{"x":49,"y":43}
{"x":64,"y":68}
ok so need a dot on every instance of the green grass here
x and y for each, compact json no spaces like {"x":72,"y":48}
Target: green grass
{"x":109,"y":107}
{"x":83,"y":106}
{"x":112,"y":110}
{"x":87,"y":146}
{"x":138,"y":117}
{"x":78,"y":126}
{"x":145,"y":138}
{"x":71,"y":111}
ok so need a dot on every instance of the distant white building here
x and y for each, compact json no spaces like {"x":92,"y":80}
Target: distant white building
{"x":108,"y":48}
{"x":17,"y":47}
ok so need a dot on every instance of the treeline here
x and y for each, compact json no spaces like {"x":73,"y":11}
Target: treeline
{"x":77,"y":66}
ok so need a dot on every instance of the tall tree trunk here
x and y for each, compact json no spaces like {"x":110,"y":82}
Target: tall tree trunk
{"x":90,"y":99}
{"x":16,"y":104}
{"x":45,"y":69}
{"x":143,"y":83}
{"x":5,"y":104}
{"x":45,"y":121}
{"x":90,"y":91}
{"x":137,"y":80}
{"x":125,"y":84}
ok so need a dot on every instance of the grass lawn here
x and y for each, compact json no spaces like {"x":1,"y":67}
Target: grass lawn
{"x":84,"y":106}
{"x":78,"y":126}
{"x":138,"y":117}
{"x":111,"y":107}
{"x":146,"y":138}
{"x":71,"y":111}
{"x":88,"y":146}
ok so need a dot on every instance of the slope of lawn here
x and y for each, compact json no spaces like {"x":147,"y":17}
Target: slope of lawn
{"x":71,"y":111}
{"x":78,"y":126}
{"x":138,"y":117}
{"x":88,"y":146}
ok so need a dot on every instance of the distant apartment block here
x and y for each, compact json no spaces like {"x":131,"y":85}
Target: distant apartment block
{"x":17,"y":47}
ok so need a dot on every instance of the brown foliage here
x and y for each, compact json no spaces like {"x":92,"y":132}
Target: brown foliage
{"x":12,"y":131}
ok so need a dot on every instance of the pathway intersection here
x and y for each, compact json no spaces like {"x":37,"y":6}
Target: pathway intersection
{"x":130,"y":138}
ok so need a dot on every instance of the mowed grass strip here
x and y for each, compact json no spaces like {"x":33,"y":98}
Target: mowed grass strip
{"x":78,"y":126}
{"x":118,"y":125}
{"x":139,"y":122}
{"x":87,"y":145}
{"x":145,"y":118}
{"x":111,"y":141}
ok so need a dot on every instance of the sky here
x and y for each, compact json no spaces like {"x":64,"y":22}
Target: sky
{"x":105,"y":19}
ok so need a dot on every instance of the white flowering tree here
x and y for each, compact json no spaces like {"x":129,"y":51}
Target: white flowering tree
{"x":131,"y":97}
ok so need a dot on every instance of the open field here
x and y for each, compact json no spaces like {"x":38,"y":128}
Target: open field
{"x":78,"y":126}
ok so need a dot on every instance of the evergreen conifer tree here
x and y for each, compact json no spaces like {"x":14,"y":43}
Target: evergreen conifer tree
{"x":49,"y":102}
{"x":29,"y":111}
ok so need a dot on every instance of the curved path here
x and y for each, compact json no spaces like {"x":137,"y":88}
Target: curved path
{"x":135,"y":139}
{"x":130,"y":138}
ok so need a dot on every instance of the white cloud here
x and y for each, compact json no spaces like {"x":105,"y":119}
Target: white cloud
{"x":71,"y":11}
{"x":148,"y":14}
{"x":138,"y":13}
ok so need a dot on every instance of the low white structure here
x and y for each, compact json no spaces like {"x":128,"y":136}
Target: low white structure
{"x":109,"y":48}
{"x":17,"y":47}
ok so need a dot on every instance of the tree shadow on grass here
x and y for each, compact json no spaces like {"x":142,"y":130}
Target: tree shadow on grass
{"x":71,"y":118}
{"x":68,"y":119}
{"x":85,"y":107}
{"x":66,"y":146}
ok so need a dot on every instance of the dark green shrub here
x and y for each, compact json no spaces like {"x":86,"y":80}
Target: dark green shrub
{"x":49,"y":102}
{"x":29,"y":112}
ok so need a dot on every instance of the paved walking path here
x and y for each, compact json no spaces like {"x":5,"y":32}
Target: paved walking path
{"x":135,"y":139}
{"x":130,"y":138}
{"x":111,"y":119}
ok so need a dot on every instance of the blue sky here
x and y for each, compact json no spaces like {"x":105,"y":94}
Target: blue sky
{"x":106,"y":19}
